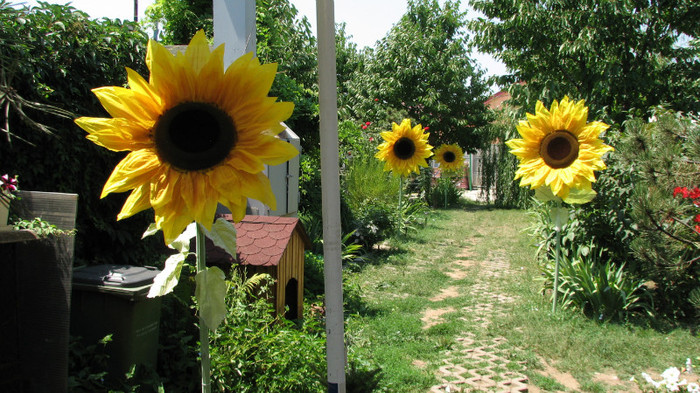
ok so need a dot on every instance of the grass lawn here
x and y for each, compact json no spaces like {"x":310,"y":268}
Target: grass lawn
{"x":458,"y":305}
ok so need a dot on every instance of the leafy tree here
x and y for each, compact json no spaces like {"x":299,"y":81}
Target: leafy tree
{"x":621,"y":56}
{"x":53,"y":54}
{"x":422,"y":69}
{"x":283,"y":39}
{"x":181,"y":19}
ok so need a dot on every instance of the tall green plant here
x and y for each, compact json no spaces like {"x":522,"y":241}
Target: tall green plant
{"x":498,"y":166}
{"x":371,"y":196}
{"x":597,"y":287}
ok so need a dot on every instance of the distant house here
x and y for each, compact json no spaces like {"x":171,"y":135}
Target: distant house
{"x":272,"y":245}
{"x":496,"y":100}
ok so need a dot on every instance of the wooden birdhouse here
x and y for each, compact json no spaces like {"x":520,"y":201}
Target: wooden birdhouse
{"x":272,"y":245}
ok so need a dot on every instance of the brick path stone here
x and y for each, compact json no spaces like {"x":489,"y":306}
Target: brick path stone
{"x":483,"y":365}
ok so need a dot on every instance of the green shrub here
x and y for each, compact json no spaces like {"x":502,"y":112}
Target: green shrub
{"x":252,"y":351}
{"x":445,"y":193}
{"x":414,"y":215}
{"x":498,"y":166}
{"x":313,"y":275}
{"x":663,"y":154}
{"x":372,"y":196}
{"x":635,"y":219}
{"x":53,"y":54}
{"x":598,"y":288}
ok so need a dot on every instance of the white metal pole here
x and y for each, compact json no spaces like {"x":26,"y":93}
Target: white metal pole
{"x":330,"y":190}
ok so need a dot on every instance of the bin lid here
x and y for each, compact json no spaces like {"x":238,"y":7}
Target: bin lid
{"x":123,"y":276}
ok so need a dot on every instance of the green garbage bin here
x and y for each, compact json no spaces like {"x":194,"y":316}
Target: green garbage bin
{"x":111,"y":299}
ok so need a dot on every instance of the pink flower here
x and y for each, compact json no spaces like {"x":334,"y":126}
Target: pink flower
{"x":368,"y":123}
{"x":8,"y":183}
{"x":371,"y":139}
{"x":426,"y":128}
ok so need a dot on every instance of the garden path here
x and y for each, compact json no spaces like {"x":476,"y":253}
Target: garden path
{"x":487,"y":364}
{"x":479,"y":363}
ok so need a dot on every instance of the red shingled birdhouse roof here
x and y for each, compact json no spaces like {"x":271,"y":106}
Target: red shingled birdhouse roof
{"x":261,"y":240}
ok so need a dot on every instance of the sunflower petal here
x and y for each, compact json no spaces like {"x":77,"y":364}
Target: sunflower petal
{"x":258,"y":187}
{"x":115,"y":134}
{"x":137,"y":168}
{"x":137,"y":201}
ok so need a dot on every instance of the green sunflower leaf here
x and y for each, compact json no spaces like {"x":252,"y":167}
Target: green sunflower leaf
{"x":211,"y":294}
{"x":580,"y":196}
{"x":182,"y":242}
{"x":223,"y":234}
{"x":166,"y":280}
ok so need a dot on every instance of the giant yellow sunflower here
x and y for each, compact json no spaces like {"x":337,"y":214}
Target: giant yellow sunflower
{"x":450,"y":157}
{"x":559,"y":149}
{"x":198,"y":135}
{"x":404,"y":148}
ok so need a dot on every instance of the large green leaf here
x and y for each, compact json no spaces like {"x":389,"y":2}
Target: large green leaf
{"x":166,"y":280}
{"x":211,"y":294}
{"x":223,"y":234}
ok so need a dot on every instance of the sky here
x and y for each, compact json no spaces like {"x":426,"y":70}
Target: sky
{"x":367,"y":21}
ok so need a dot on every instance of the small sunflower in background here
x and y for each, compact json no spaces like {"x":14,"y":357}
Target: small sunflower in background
{"x":404,"y":149}
{"x":560,"y":150}
{"x":198,"y":135}
{"x":450,"y":157}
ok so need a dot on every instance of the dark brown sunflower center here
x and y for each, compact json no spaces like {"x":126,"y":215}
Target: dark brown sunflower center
{"x":559,"y":149}
{"x":404,"y":148}
{"x":449,"y":157}
{"x":194,"y":136}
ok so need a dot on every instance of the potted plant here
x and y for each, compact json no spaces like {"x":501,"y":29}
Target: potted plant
{"x":8,"y":192}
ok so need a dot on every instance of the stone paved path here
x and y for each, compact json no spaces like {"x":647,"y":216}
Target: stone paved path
{"x":479,"y":365}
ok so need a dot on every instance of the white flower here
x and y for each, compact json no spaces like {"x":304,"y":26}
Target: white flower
{"x":671,"y":374}
{"x":651,"y":381}
{"x":693,"y":388}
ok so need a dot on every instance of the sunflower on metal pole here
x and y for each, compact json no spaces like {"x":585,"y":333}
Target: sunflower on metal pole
{"x":451,"y":160}
{"x":404,"y":151}
{"x":558,"y":153}
{"x":197,"y":135}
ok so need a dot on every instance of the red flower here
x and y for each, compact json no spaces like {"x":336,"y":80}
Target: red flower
{"x":695,"y":193}
{"x":681,"y":190}
{"x":697,"y":218}
{"x":364,"y":127}
{"x":376,"y":99}
{"x":426,"y":128}
{"x":371,"y":139}
{"x":368,"y":123}
{"x":697,"y":228}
